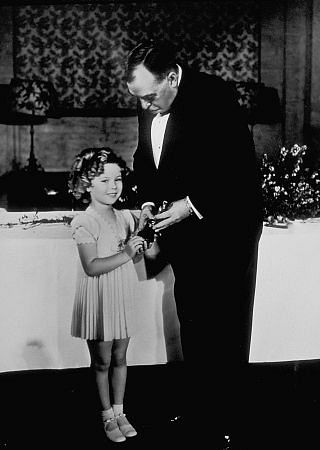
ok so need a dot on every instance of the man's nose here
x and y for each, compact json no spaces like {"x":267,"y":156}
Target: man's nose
{"x":145,"y":104}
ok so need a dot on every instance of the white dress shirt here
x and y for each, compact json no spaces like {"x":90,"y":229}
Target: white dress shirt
{"x":158,"y":128}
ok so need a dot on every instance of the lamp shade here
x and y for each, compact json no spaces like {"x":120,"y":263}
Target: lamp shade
{"x":32,"y":97}
{"x":260,"y":103}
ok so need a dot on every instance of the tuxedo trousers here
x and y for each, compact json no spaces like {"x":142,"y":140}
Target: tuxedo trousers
{"x":214,"y":294}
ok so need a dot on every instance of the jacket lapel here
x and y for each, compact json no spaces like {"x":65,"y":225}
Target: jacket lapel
{"x":146,"y":120}
{"x":178,"y":109}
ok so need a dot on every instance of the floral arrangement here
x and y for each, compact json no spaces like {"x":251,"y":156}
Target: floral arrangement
{"x":32,"y":220}
{"x":290,"y":190}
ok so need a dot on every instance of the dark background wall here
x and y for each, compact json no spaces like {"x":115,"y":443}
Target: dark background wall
{"x":280,"y":49}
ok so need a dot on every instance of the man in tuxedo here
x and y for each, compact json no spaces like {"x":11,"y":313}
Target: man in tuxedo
{"x":195,"y":151}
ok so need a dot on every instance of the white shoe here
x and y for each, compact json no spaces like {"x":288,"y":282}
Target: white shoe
{"x":125,"y":426}
{"x":112,"y":430}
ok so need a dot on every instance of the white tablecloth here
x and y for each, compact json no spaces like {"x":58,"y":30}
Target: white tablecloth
{"x":38,"y":273}
{"x":286,"y":320}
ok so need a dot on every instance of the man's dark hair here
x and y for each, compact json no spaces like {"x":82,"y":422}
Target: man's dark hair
{"x":159,"y":58}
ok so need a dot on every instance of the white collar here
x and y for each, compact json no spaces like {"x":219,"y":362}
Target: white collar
{"x":179,"y":74}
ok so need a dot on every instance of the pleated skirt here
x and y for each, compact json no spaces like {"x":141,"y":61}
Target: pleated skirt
{"x":104,"y":305}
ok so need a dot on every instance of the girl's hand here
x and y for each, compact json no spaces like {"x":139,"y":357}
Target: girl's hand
{"x":135,"y":246}
{"x":145,"y":215}
{"x":152,"y":250}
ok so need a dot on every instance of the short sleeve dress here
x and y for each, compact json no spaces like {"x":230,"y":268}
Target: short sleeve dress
{"x":103,"y":305}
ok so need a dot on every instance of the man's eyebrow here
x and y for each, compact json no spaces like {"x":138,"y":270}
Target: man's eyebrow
{"x":143,"y":97}
{"x":147,"y":96}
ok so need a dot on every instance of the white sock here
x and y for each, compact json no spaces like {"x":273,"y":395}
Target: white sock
{"x":111,"y":428}
{"x":107,"y":414}
{"x":117,"y":409}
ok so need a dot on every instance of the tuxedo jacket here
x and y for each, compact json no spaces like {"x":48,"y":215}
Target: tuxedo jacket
{"x":207,"y":154}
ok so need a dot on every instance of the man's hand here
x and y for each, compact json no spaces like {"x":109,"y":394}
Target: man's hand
{"x":177,"y":211}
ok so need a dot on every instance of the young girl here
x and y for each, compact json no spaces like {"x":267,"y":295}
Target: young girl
{"x":102,"y":312}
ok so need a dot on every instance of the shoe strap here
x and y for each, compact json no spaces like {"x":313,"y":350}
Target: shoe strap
{"x":110,"y":420}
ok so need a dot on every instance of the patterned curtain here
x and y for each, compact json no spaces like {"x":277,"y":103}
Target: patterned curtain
{"x":81,"y":48}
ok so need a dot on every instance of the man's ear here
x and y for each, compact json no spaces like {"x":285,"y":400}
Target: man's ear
{"x":172,"y":79}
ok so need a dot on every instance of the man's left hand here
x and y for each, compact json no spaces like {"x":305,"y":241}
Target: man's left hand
{"x":177,"y":211}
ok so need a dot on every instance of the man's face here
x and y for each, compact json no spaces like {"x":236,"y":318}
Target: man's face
{"x":155,"y":96}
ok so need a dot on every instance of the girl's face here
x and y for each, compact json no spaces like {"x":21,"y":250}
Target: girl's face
{"x":106,"y":188}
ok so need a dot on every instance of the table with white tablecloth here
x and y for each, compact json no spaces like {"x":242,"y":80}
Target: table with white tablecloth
{"x":286,"y":318}
{"x":38,"y":276}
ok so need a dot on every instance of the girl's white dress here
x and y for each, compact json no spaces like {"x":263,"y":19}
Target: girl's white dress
{"x":103,"y":305}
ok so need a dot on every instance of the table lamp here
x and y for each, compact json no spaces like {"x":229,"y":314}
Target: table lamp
{"x":31,"y":102}
{"x":261,"y":103}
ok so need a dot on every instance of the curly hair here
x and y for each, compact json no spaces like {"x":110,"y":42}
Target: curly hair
{"x":88,"y":164}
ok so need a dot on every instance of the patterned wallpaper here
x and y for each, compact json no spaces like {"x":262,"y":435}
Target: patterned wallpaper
{"x":81,"y":48}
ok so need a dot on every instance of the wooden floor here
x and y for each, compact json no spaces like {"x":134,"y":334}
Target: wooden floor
{"x":57,"y":409}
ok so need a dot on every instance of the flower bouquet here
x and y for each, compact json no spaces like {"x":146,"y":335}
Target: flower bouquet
{"x":290,"y":190}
